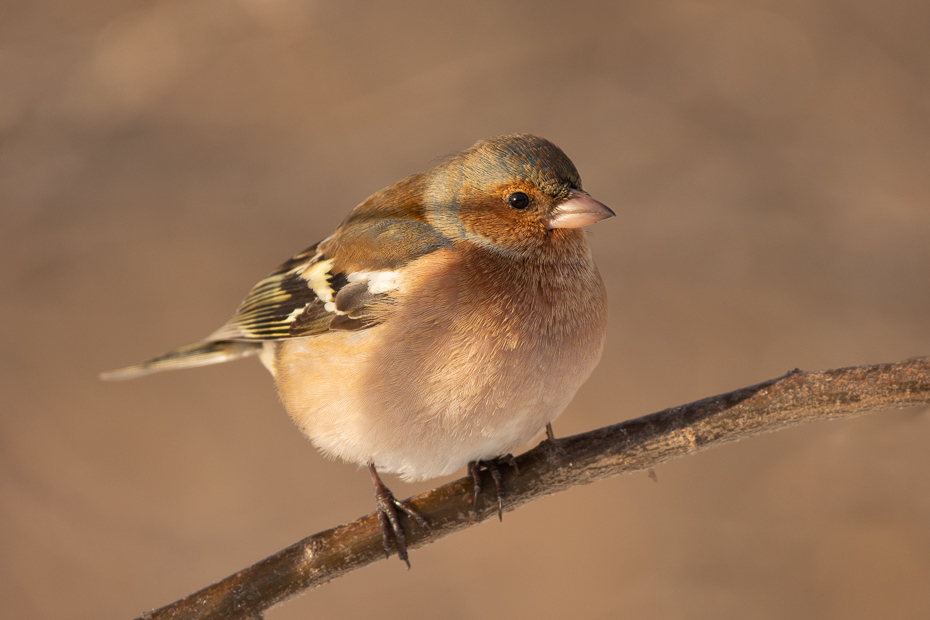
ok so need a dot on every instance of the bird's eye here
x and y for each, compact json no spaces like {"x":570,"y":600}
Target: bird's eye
{"x":518,"y":200}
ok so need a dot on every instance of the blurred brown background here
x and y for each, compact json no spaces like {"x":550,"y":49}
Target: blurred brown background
{"x":770,"y":166}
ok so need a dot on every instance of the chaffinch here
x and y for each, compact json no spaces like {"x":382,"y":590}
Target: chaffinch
{"x":448,"y":320}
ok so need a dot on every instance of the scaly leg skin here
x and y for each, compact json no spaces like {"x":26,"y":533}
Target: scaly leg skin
{"x":493,"y":466}
{"x":388,"y":518}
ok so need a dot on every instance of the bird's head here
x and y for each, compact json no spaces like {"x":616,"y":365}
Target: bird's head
{"x":512,"y":194}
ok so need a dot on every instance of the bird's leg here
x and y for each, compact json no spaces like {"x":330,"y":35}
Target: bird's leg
{"x":388,"y":517}
{"x":493,"y":466}
{"x":549,"y":434}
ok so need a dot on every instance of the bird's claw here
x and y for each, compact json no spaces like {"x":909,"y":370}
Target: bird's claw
{"x":493,"y":467}
{"x":389,"y":520}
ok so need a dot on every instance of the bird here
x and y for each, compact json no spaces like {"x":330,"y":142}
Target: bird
{"x":448,"y":320}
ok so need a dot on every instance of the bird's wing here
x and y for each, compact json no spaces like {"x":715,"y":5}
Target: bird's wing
{"x":342,"y":283}
{"x":289,"y":303}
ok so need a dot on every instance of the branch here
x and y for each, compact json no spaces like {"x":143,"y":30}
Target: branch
{"x":552,"y":467}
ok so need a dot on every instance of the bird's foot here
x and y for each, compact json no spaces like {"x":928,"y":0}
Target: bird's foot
{"x":389,"y":518}
{"x":493,"y":467}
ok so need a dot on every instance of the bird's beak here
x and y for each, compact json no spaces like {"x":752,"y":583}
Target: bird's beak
{"x":578,"y":210}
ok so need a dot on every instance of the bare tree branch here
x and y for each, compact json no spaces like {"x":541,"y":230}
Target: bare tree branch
{"x":552,"y":467}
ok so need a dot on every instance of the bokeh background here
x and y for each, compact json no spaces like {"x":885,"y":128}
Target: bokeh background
{"x":770,"y":166}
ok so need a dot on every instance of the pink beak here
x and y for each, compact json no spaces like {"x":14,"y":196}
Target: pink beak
{"x":577,"y":211}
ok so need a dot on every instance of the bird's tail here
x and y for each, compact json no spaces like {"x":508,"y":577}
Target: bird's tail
{"x":190,"y":356}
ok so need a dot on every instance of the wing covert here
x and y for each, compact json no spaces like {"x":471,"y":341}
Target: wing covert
{"x":334,"y":284}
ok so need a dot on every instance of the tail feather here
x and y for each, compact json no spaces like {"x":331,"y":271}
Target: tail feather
{"x":190,"y":356}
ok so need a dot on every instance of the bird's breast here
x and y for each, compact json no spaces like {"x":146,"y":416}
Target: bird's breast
{"x":474,"y":358}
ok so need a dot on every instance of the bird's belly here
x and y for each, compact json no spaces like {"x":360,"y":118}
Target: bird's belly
{"x":426,"y":402}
